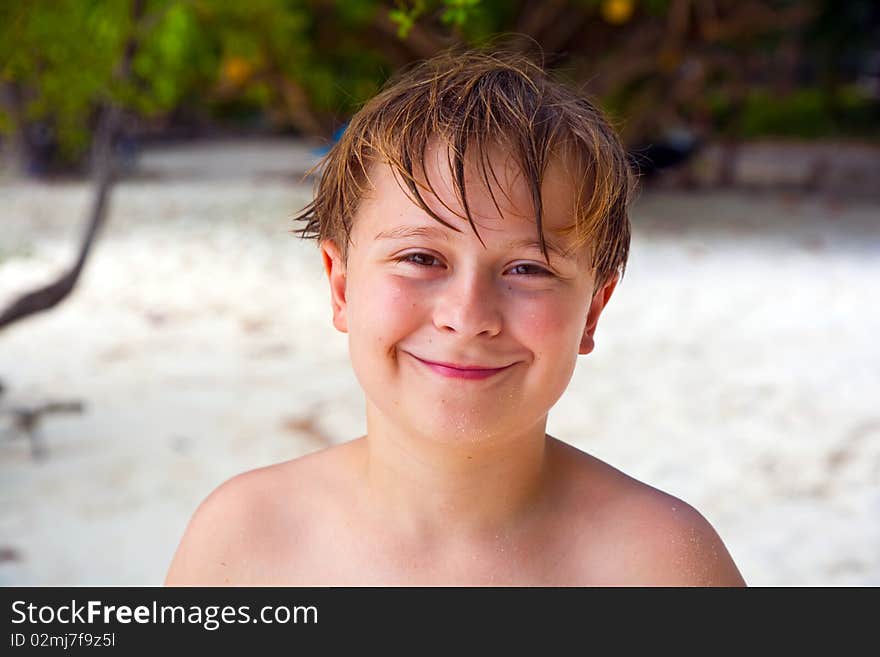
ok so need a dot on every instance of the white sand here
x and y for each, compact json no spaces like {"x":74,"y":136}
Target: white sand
{"x":737,"y":367}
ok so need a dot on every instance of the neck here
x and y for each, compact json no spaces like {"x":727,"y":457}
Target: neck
{"x":466,"y":487}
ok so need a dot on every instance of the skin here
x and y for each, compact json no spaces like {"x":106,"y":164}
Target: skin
{"x":456,"y":481}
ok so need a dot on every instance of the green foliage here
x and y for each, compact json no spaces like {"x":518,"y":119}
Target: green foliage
{"x":64,"y":59}
{"x":356,"y":14}
{"x":301,"y":43}
{"x":457,"y":12}
{"x":656,"y":7}
{"x":809,"y":114}
{"x":405,"y":16}
{"x":175,"y":58}
{"x":308,"y":64}
{"x":226,"y":56}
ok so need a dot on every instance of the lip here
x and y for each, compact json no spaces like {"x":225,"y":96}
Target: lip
{"x":456,"y":371}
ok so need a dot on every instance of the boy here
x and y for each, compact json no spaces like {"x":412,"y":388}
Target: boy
{"x":473,"y":225}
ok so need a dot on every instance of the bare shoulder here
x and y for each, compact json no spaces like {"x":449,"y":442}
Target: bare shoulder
{"x":671,"y":543}
{"x":226,"y":531}
{"x":244,"y":529}
{"x":637,"y":535}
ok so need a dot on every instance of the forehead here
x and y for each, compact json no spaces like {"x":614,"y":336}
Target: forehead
{"x":498,"y":195}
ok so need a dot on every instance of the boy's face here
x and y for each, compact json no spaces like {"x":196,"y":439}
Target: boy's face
{"x":424,"y":305}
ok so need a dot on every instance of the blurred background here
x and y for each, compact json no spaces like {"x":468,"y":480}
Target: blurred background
{"x":161,"y":330}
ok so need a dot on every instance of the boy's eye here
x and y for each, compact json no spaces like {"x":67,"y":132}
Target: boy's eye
{"x":427,"y":260}
{"x":527,"y":269}
{"x":421,"y":259}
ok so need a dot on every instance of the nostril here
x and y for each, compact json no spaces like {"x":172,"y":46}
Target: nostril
{"x":468,"y":311}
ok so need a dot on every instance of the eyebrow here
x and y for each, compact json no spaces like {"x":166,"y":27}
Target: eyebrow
{"x":536,"y":245}
{"x":403,"y":232}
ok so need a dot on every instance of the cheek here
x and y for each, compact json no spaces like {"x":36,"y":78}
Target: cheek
{"x":552,"y":331}
{"x":550,"y":325}
{"x":384,"y":308}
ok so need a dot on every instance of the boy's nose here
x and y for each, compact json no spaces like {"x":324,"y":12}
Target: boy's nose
{"x":468,"y":305}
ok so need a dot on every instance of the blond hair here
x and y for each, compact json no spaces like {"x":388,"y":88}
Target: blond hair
{"x":475,"y":100}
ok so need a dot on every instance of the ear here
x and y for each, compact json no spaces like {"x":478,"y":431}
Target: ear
{"x":334,"y":266}
{"x":603,"y":294}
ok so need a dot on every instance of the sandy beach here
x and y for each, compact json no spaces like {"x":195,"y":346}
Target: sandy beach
{"x":737,"y":366}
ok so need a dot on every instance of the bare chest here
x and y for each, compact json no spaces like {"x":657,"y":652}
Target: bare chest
{"x":352,"y":559}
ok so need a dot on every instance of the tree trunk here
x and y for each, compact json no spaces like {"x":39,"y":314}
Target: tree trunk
{"x":13,"y":151}
{"x":104,"y":171}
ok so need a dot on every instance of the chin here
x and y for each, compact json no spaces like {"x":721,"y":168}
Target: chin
{"x":459,"y":421}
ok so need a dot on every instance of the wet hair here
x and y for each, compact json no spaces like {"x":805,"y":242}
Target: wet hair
{"x":474,"y":101}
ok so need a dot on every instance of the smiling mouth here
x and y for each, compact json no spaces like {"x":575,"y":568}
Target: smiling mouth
{"x":456,"y":371}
